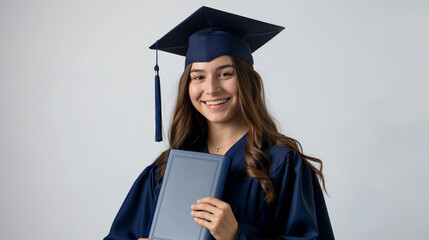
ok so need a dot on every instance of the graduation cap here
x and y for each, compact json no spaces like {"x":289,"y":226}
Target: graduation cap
{"x":207,"y":34}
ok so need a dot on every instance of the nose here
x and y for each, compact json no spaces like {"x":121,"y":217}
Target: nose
{"x":212,"y":85}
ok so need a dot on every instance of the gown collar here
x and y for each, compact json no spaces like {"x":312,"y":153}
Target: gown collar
{"x":238,"y":147}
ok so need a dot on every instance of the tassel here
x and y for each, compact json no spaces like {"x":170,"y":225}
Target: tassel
{"x":158,"y":114}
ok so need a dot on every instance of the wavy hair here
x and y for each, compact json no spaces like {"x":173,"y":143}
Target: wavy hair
{"x":188,"y":129}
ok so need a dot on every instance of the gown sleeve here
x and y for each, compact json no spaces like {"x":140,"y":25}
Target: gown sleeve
{"x":133,"y":217}
{"x":299,"y":211}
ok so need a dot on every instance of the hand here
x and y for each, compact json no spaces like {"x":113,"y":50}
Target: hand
{"x":215,"y":215}
{"x":144,"y":239}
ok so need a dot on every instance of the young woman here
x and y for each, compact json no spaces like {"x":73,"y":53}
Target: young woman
{"x":271,"y":190}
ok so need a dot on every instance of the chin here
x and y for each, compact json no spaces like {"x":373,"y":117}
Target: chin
{"x":219,"y":119}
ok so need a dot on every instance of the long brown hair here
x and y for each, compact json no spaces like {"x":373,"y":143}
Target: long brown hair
{"x":189,"y":128}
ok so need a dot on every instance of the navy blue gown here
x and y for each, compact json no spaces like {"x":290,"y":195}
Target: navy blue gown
{"x":298,"y":211}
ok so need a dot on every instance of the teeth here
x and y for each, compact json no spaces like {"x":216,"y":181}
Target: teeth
{"x":210,"y":103}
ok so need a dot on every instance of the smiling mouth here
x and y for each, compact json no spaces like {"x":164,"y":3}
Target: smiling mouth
{"x":216,"y":102}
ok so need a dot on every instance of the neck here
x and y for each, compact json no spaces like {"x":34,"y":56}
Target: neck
{"x":222,"y":136}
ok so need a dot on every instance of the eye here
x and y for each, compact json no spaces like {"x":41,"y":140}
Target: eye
{"x":225,"y":75}
{"x":197,"y":77}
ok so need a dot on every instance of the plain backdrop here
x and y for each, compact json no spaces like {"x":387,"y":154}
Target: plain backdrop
{"x":348,"y":79}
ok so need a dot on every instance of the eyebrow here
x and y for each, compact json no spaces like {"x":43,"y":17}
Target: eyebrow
{"x":217,"y":69}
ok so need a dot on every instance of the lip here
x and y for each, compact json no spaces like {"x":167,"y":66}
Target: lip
{"x":214,"y":105}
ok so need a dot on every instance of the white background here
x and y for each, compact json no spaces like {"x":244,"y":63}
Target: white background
{"x":348,"y":79}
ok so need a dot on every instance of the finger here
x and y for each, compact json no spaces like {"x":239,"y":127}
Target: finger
{"x":208,"y":199}
{"x":203,"y":223}
{"x":219,"y":204}
{"x":203,"y":215}
{"x":213,"y":201}
{"x":206,"y":207}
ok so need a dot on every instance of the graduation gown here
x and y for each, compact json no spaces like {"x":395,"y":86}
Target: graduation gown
{"x":298,"y":211}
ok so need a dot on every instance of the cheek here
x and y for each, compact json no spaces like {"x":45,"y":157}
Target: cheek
{"x":194,"y":92}
{"x":233,"y":88}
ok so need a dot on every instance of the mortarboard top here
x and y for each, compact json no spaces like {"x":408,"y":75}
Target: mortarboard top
{"x":207,"y":34}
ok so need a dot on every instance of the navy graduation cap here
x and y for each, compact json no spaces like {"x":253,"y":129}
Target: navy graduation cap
{"x":207,"y":34}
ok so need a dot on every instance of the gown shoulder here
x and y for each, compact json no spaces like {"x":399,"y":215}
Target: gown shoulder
{"x":134,"y":215}
{"x":300,"y":207}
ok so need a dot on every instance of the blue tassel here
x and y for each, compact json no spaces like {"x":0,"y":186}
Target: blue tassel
{"x":158,"y":114}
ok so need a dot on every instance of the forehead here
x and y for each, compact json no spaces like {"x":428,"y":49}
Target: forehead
{"x":213,"y":64}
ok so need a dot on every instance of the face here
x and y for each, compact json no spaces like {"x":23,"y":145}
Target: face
{"x":213,"y":90}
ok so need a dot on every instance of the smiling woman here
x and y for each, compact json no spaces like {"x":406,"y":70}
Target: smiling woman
{"x":271,"y":190}
{"x":213,"y":90}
